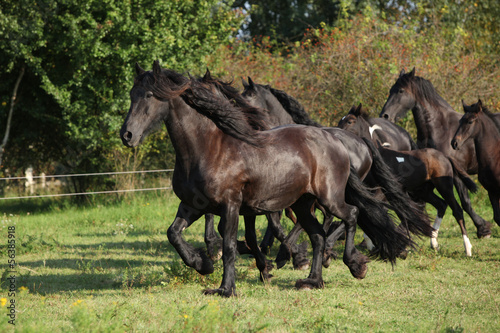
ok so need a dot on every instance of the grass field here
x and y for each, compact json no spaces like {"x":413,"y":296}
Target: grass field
{"x":110,"y":268}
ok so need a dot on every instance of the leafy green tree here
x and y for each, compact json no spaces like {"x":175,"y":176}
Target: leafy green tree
{"x":287,"y":20}
{"x":79,"y":57}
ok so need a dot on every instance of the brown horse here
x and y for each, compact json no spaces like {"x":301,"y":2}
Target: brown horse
{"x":227,"y":165}
{"x":436,"y":122}
{"x":478,"y":124}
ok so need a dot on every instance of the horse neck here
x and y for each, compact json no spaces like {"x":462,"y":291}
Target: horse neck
{"x":365,"y":129}
{"x":190,"y":132}
{"x":431,"y":121}
{"x":486,"y":140}
{"x":277,"y":113}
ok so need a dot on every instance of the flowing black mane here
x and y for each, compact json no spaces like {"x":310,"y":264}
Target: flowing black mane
{"x":422,"y":90}
{"x":238,"y":120}
{"x":293,"y":107}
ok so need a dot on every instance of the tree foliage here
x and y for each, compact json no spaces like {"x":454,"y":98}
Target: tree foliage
{"x":79,"y":58}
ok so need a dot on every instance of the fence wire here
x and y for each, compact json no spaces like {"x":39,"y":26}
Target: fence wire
{"x":87,"y":193}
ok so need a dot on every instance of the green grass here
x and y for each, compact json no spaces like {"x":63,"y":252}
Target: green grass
{"x":107,"y":268}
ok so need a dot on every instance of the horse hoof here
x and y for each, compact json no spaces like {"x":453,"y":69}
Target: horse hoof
{"x":484,"y":231}
{"x":207,"y":265}
{"x":265,"y":277}
{"x":307,"y":284}
{"x":220,"y":292}
{"x":358,"y":266}
{"x":303,"y":265}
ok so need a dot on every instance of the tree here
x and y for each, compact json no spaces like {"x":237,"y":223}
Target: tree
{"x":287,"y":20}
{"x":79,"y":59}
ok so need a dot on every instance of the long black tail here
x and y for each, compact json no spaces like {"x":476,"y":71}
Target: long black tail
{"x":459,"y":175}
{"x":412,"y":215}
{"x":375,"y":220}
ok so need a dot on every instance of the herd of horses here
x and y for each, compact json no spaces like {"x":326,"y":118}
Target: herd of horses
{"x":257,"y":152}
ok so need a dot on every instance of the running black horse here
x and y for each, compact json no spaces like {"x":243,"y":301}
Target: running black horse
{"x":436,"y":123}
{"x":227,"y":165}
{"x":363,"y":156}
{"x":478,"y":124}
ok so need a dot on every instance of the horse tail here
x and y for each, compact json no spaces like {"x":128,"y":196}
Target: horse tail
{"x":375,"y":220}
{"x":411,"y":214}
{"x":460,"y":176}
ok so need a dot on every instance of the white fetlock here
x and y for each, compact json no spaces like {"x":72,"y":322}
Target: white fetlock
{"x":434,"y":239}
{"x":468,"y":246}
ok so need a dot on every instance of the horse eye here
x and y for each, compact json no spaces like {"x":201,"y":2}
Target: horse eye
{"x":401,"y":91}
{"x":149,"y":94}
{"x":470,"y":122}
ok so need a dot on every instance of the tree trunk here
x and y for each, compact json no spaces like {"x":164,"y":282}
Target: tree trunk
{"x":11,"y":111}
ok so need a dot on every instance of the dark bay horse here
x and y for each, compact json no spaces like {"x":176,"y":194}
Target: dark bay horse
{"x":478,"y":124}
{"x":421,"y":171}
{"x":364,"y":158}
{"x":227,"y":165}
{"x":436,"y":123}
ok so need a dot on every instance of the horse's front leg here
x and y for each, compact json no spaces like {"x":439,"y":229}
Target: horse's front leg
{"x":192,"y":257}
{"x":229,"y":225}
{"x":213,"y":241}
{"x":262,"y":264}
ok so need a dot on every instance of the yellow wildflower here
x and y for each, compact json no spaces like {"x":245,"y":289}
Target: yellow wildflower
{"x":3,"y":301}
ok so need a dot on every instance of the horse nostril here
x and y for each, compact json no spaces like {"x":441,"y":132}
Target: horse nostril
{"x":386,"y":116}
{"x":127,"y":136}
{"x":454,"y":144}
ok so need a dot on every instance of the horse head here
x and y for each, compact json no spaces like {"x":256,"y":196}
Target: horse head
{"x":401,"y":98}
{"x":467,"y":126}
{"x":147,"y":108}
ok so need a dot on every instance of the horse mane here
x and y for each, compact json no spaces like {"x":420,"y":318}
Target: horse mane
{"x":237,"y":120}
{"x":293,"y":107}
{"x":422,"y":90}
{"x":491,"y":116}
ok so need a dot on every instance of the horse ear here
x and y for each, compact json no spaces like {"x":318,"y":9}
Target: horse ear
{"x":402,"y":72}
{"x":244,"y":83}
{"x":207,"y":75}
{"x":250,"y":82}
{"x":138,"y":69}
{"x":352,"y":110}
{"x":412,"y":73}
{"x":479,"y":105}
{"x":358,"y":109}
{"x":464,"y":105}
{"x":156,"y":68}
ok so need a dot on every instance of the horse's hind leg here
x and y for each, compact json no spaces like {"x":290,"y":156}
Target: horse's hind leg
{"x":192,"y":257}
{"x":427,"y":194}
{"x":262,"y":264}
{"x":495,"y":203}
{"x":444,"y":185}
{"x":483,"y":227}
{"x":213,"y":241}
{"x":316,"y":233}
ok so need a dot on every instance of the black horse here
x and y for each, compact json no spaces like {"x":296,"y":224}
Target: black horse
{"x":421,"y":171}
{"x":227,"y":165}
{"x":478,"y":124}
{"x":436,"y":123}
{"x":363,"y":156}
